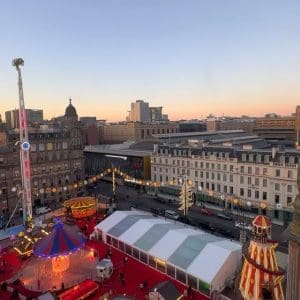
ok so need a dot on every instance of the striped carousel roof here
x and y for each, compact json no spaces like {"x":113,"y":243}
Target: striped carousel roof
{"x":59,"y":242}
{"x":261,"y":221}
{"x":80,"y":202}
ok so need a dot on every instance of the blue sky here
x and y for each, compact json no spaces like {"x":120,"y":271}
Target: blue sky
{"x":192,"y":57}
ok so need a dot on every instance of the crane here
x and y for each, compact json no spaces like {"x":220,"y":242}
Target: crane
{"x":25,"y":193}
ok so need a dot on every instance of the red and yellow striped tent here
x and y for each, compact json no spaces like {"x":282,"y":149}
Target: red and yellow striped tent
{"x":81,"y":207}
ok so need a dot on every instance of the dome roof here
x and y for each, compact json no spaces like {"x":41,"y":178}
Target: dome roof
{"x":261,"y":221}
{"x":70,"y":110}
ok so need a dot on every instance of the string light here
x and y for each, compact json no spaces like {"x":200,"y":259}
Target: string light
{"x":149,"y":183}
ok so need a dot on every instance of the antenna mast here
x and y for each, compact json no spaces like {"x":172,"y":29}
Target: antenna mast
{"x":24,"y":148}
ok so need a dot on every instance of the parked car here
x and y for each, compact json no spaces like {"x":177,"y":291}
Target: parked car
{"x":206,"y":211}
{"x":226,"y":232}
{"x":171,"y":214}
{"x":206,"y":226}
{"x":42,"y":210}
{"x":224,"y":217}
{"x":243,"y":225}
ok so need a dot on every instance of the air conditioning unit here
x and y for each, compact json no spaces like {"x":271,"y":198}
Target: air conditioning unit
{"x":278,"y":206}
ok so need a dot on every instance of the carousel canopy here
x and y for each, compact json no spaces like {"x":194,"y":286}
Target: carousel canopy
{"x":80,"y":202}
{"x":59,"y":242}
{"x":261,"y":221}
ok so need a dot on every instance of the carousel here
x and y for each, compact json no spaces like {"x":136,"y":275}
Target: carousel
{"x":81,"y":207}
{"x":261,"y":276}
{"x":59,"y":259}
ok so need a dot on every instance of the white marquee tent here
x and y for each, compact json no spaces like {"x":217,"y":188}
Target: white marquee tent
{"x":188,"y":254}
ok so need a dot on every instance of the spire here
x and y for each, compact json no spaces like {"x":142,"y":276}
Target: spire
{"x":70,"y":100}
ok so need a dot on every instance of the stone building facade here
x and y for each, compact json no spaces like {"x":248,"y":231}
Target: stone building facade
{"x":253,"y":175}
{"x":57,"y":162}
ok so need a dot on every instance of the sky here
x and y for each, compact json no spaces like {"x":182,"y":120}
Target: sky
{"x":192,"y":57}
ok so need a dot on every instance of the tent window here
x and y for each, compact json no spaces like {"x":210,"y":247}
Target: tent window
{"x":135,"y":253}
{"x":121,"y":246}
{"x":192,"y":281}
{"x":171,"y":271}
{"x":152,"y":262}
{"x":161,"y":266}
{"x":144,"y":257}
{"x":204,"y":288}
{"x":108,"y":239}
{"x":180,"y":275}
{"x":115,"y":242}
{"x":128,"y":249}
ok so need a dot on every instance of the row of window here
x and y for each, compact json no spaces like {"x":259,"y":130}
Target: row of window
{"x":245,"y":157}
{"x":160,"y":265}
{"x":225,"y":167}
{"x":253,"y":181}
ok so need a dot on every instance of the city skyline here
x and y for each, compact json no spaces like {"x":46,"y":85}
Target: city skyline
{"x":192,"y":58}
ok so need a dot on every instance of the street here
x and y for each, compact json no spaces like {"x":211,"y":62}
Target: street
{"x":127,"y":198}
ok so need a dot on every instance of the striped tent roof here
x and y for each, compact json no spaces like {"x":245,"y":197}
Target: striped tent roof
{"x":261,"y":221}
{"x":80,"y":202}
{"x":59,"y":242}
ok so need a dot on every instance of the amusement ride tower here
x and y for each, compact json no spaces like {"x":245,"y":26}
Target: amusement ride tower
{"x":24,"y":148}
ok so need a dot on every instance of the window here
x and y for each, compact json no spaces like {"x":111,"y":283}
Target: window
{"x":207,"y":185}
{"x":256,"y":194}
{"x":207,"y":165}
{"x":249,"y":193}
{"x":241,"y":179}
{"x":225,"y":168}
{"x":218,"y":167}
{"x":231,"y":190}
{"x":277,"y":187}
{"x":289,"y":188}
{"x":277,"y":172}
{"x":188,"y":163}
{"x":265,"y":196}
{"x":180,"y":275}
{"x":290,"y":174}
{"x":256,"y":170}
{"x":277,"y":199}
{"x":231,"y":178}
{"x":249,"y":180}
{"x":171,"y":270}
{"x":213,"y":166}
{"x":213,"y":176}
{"x":249,"y":170}
{"x":231,"y":168}
{"x":218,"y":187}
{"x":265,"y":171}
{"x":207,"y":175}
{"x":289,"y":200}
{"x":201,"y":165}
{"x":265,"y":182}
{"x":196,"y":164}
{"x":196,"y":173}
{"x":242,"y":169}
{"x":257,"y":181}
{"x":218,"y":176}
{"x":201,"y":174}
{"x":241,"y":192}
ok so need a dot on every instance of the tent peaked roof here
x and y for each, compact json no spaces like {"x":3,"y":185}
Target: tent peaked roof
{"x":59,"y":242}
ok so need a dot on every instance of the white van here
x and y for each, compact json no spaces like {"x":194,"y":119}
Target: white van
{"x":42,"y":210}
{"x":171,"y":214}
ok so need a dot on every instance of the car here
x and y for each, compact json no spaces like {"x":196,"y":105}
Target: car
{"x":171,"y":214}
{"x":243,"y":225}
{"x":226,"y":232}
{"x":206,"y":211}
{"x":42,"y":210}
{"x":206,"y":226}
{"x":224,"y":217}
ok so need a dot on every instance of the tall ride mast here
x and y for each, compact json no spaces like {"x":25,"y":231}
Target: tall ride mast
{"x":24,"y":148}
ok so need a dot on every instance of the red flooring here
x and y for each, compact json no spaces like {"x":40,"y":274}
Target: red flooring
{"x":135,"y":273}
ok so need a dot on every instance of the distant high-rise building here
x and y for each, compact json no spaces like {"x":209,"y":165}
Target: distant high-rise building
{"x":141,"y":112}
{"x":34,"y":116}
